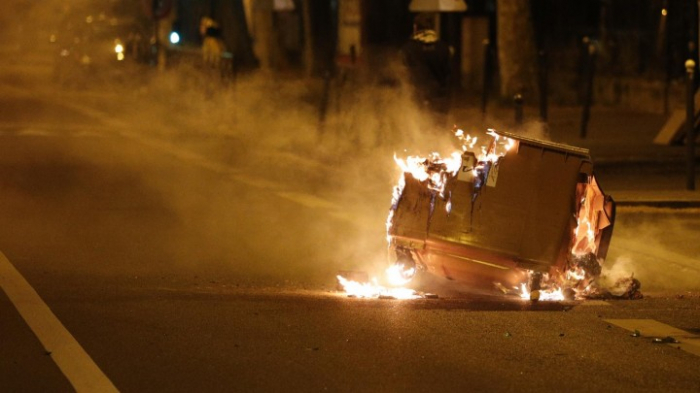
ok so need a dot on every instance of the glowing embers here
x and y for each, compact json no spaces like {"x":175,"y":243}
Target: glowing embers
{"x":575,"y":284}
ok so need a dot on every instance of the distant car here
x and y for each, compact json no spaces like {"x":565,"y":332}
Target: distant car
{"x":99,"y":48}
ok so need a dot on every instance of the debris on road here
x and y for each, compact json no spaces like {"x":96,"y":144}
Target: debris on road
{"x":665,"y":340}
{"x":623,"y":288}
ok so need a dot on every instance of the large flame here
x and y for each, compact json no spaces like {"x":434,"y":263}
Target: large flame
{"x":433,"y":169}
{"x":587,"y":221}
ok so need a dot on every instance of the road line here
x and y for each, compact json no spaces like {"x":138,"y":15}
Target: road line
{"x":654,"y":329}
{"x":124,"y":130}
{"x":308,"y":200}
{"x":66,"y":352}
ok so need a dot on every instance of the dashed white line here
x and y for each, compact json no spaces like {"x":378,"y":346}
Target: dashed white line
{"x":80,"y":370}
{"x":308,"y":200}
{"x":654,"y":329}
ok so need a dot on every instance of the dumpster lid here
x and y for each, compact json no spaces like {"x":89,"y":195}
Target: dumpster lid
{"x":578,"y":151}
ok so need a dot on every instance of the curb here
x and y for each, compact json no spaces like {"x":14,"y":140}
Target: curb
{"x":679,"y":205}
{"x":680,"y":199}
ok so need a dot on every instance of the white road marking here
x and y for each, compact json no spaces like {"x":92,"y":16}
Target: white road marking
{"x":123,"y":129}
{"x":308,"y":200}
{"x":654,"y":329}
{"x":49,"y":130}
{"x":66,"y":352}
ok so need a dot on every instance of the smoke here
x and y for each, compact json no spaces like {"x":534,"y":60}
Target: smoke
{"x":278,"y":176}
{"x":653,"y":246}
{"x":335,"y":142}
{"x":301,"y":172}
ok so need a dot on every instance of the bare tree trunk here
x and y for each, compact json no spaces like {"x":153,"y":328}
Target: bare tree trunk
{"x":308,"y":38}
{"x":517,"y":55}
{"x":238,"y":34}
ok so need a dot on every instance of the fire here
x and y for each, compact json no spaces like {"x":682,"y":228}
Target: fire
{"x":587,"y":221}
{"x":573,"y":284}
{"x":477,"y":157}
{"x":434,"y":171}
{"x":396,"y":275}
{"x":556,"y":294}
{"x":399,"y":275}
{"x":374,"y":290}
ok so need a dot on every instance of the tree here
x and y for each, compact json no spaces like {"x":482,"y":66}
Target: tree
{"x":517,"y":54}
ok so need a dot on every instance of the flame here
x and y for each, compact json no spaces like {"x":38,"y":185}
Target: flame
{"x":374,"y":290}
{"x":556,"y":294}
{"x":576,"y":279}
{"x":591,"y":218}
{"x":492,"y":151}
{"x":398,"y":275}
{"x":434,"y":171}
{"x":576,"y":274}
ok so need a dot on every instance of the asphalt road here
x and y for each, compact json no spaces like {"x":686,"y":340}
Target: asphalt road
{"x":178,"y":267}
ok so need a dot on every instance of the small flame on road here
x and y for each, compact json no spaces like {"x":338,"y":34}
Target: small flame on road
{"x":374,"y":290}
{"x":555,"y":294}
{"x":397,"y":277}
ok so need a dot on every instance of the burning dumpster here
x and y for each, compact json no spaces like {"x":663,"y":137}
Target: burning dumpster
{"x":501,"y":208}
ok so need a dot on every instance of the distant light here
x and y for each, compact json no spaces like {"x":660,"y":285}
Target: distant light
{"x":664,"y":11}
{"x":118,"y":48}
{"x":174,"y":37}
{"x":120,"y":56}
{"x":437,"y":6}
{"x":283,"y":5}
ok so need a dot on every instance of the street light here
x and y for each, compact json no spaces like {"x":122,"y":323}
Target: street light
{"x":690,"y":124}
{"x":174,"y":38}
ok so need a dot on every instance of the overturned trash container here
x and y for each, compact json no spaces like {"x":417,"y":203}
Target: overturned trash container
{"x":514,"y":205}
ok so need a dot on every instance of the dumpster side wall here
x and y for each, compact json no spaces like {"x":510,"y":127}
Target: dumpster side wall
{"x":410,"y":220}
{"x":525,"y":215}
